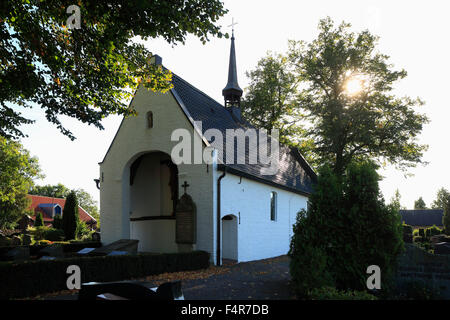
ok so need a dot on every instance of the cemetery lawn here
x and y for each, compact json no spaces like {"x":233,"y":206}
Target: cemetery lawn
{"x":261,"y":280}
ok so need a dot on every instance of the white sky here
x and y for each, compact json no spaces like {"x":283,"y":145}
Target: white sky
{"x":415,"y":34}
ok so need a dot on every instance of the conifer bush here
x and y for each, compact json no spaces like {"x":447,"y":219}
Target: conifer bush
{"x":347,"y":228}
{"x":39,"y":221}
{"x":70,"y":217}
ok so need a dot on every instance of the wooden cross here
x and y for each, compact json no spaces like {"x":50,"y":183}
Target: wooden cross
{"x":232,"y":26}
{"x":185,"y":185}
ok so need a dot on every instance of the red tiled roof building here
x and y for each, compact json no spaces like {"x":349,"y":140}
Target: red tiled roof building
{"x":49,"y":207}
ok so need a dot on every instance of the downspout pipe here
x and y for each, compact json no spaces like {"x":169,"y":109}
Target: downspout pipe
{"x":218,"y":216}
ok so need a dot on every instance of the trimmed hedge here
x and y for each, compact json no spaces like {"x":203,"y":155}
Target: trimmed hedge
{"x":27,"y":279}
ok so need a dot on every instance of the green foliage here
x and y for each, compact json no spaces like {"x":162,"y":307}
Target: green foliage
{"x":349,"y":223}
{"x":39,"y":220}
{"x":38,"y":233}
{"x":55,"y":191}
{"x":422,"y":232}
{"x":442,"y":196}
{"x":70,"y":218}
{"x":331,"y":293}
{"x":419,"y":290}
{"x":54,"y":234}
{"x":308,"y":266}
{"x":395,"y":201}
{"x":50,"y":275}
{"x":407,"y":233}
{"x":269,"y":100}
{"x":57,"y":222}
{"x":92,"y":72}
{"x":420,"y":204}
{"x":349,"y":125}
{"x":17,"y":171}
{"x":82,"y":230}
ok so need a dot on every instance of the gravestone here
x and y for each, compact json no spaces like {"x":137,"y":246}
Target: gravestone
{"x":54,"y":250}
{"x":186,"y":220}
{"x":442,"y":248}
{"x":128,"y":245}
{"x":19,"y":254}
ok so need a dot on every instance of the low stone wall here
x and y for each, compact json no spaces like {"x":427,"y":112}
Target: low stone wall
{"x":415,"y":264}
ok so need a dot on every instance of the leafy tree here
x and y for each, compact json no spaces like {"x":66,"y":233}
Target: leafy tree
{"x":39,"y":220}
{"x":17,"y":171}
{"x":350,"y":226}
{"x":419,"y":204}
{"x":269,"y":100}
{"x":395,"y":200}
{"x":70,"y":217}
{"x":91,"y":72}
{"x":56,"y":191}
{"x":348,"y":100}
{"x":441,"y":198}
{"x":86,"y":201}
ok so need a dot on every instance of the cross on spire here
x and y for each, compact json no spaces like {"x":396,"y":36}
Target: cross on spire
{"x":185,"y":185}
{"x":232,"y":26}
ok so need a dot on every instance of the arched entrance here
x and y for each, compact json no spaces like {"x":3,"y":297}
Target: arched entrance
{"x":152,"y":187}
{"x":230,"y":238}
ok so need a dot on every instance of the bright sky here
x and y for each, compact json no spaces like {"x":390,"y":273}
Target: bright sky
{"x":415,"y":34}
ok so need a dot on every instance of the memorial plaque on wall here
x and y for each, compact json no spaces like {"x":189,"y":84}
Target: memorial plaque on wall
{"x":186,"y":221}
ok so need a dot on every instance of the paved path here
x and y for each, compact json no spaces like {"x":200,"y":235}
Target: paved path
{"x":261,"y":280}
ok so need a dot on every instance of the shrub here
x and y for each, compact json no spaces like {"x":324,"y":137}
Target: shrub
{"x":54,"y":234}
{"x":39,"y":220}
{"x":331,"y":293}
{"x":433,"y":231}
{"x":26,"y":279}
{"x":57,"y":222}
{"x":349,"y":223}
{"x":419,"y":290}
{"x":38,"y":233}
{"x":407,"y":233}
{"x":308,"y":266}
{"x":422,"y":232}
{"x":82,"y":230}
{"x":407,"y":229}
{"x":70,"y":218}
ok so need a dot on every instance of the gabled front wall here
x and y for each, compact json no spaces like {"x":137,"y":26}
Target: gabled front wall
{"x":258,"y":236}
{"x":133,"y":139}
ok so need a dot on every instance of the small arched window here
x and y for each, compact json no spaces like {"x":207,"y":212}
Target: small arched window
{"x":149,"y":119}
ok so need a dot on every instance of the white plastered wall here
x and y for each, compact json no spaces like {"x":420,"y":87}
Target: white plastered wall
{"x":133,"y":139}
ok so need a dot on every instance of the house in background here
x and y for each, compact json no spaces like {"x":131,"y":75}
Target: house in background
{"x":51,"y":207}
{"x":423,"y":217}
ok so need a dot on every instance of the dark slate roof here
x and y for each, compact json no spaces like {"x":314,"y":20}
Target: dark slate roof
{"x":427,"y":217}
{"x":294,"y":172}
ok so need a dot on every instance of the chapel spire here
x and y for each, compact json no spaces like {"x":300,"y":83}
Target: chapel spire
{"x":232,"y":92}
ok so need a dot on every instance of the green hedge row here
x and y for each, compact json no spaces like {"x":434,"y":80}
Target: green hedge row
{"x":27,"y":279}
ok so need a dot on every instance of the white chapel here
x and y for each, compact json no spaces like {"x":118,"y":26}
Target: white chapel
{"x":228,"y":209}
